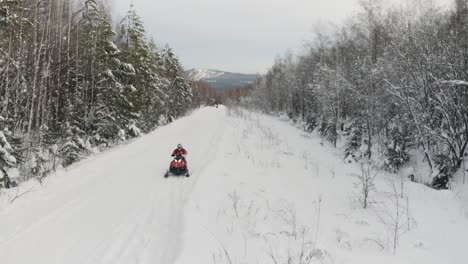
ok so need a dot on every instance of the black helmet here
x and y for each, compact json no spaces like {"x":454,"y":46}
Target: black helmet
{"x":179,"y":146}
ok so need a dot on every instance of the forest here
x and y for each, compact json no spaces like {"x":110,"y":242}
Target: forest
{"x":73,"y":81}
{"x":389,"y":83}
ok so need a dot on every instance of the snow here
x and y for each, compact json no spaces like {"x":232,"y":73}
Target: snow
{"x":261,"y":190}
{"x":5,"y":150}
{"x":454,"y":82}
{"x":276,"y":192}
{"x":135,"y":130}
{"x":200,"y":74}
{"x":121,"y":134}
{"x":129,"y":67}
{"x":112,"y":45}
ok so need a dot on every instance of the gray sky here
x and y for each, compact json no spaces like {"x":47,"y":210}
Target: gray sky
{"x":235,"y":35}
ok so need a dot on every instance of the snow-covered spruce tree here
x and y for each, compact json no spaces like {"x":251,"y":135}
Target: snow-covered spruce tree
{"x":398,"y":141}
{"x":328,"y":129}
{"x":38,"y":163}
{"x":60,"y":71}
{"x":179,"y":90}
{"x":109,"y":106}
{"x":6,"y":161}
{"x":157,"y":105}
{"x":148,"y":96}
{"x":73,"y":147}
{"x":355,"y":147}
{"x":89,"y":26}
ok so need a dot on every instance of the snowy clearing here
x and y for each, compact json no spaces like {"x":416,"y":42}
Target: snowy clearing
{"x":261,"y":191}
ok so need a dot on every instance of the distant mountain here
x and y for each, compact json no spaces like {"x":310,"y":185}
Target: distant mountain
{"x":220,"y":80}
{"x":201,"y":74}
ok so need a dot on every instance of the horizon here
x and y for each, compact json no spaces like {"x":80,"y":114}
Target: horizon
{"x":219,"y":70}
{"x":208,"y":34}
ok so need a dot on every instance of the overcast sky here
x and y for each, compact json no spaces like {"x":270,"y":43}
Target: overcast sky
{"x":235,"y":35}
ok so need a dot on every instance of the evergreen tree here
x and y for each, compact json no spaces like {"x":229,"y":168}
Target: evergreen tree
{"x":73,"y":147}
{"x":147,"y":97}
{"x":355,"y":140}
{"x":110,"y":106}
{"x":69,"y":84}
{"x":179,"y":90}
{"x":7,"y":160}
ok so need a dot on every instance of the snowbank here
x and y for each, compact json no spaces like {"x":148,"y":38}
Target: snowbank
{"x":278,"y":195}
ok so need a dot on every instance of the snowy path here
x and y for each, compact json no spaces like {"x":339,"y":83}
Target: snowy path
{"x":115,"y":207}
{"x":261,"y":191}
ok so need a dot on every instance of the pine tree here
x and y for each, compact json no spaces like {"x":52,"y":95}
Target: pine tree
{"x":157,"y":102}
{"x":90,"y":35}
{"x":179,"y":90}
{"x":147,"y":97}
{"x":355,"y":135}
{"x":73,"y":147}
{"x":7,"y":160}
{"x":67,"y":82}
{"x":109,"y":105}
{"x":395,"y":149}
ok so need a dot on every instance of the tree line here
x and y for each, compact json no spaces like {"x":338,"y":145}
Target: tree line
{"x":388,"y":83}
{"x":71,"y":82}
{"x":205,"y":94}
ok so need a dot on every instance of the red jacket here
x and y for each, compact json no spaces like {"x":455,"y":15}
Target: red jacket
{"x":177,"y":152}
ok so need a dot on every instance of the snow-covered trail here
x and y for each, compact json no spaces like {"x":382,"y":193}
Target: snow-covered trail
{"x":261,"y":191}
{"x":115,"y":207}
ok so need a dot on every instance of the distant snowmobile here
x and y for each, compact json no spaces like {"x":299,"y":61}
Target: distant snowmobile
{"x":178,"y":167}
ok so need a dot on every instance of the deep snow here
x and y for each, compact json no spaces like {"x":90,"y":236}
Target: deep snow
{"x":261,"y":191}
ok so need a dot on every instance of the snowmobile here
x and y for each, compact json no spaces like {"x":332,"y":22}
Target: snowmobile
{"x":178,"y":167}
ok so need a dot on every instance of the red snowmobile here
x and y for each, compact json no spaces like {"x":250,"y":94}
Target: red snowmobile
{"x":178,"y":167}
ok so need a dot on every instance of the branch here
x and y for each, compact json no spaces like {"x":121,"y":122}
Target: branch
{"x":18,"y":196}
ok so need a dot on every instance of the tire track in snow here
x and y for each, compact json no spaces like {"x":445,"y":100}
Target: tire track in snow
{"x":116,"y":207}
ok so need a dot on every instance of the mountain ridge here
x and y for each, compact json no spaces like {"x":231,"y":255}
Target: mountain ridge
{"x":221,"y":80}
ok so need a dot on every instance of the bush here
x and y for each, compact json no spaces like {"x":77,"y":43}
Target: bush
{"x":442,"y":172}
{"x":328,"y":131}
{"x":356,"y":142}
{"x":395,"y":149}
{"x":395,"y":159}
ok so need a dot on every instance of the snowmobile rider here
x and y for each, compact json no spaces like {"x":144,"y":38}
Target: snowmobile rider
{"x":180,"y":151}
